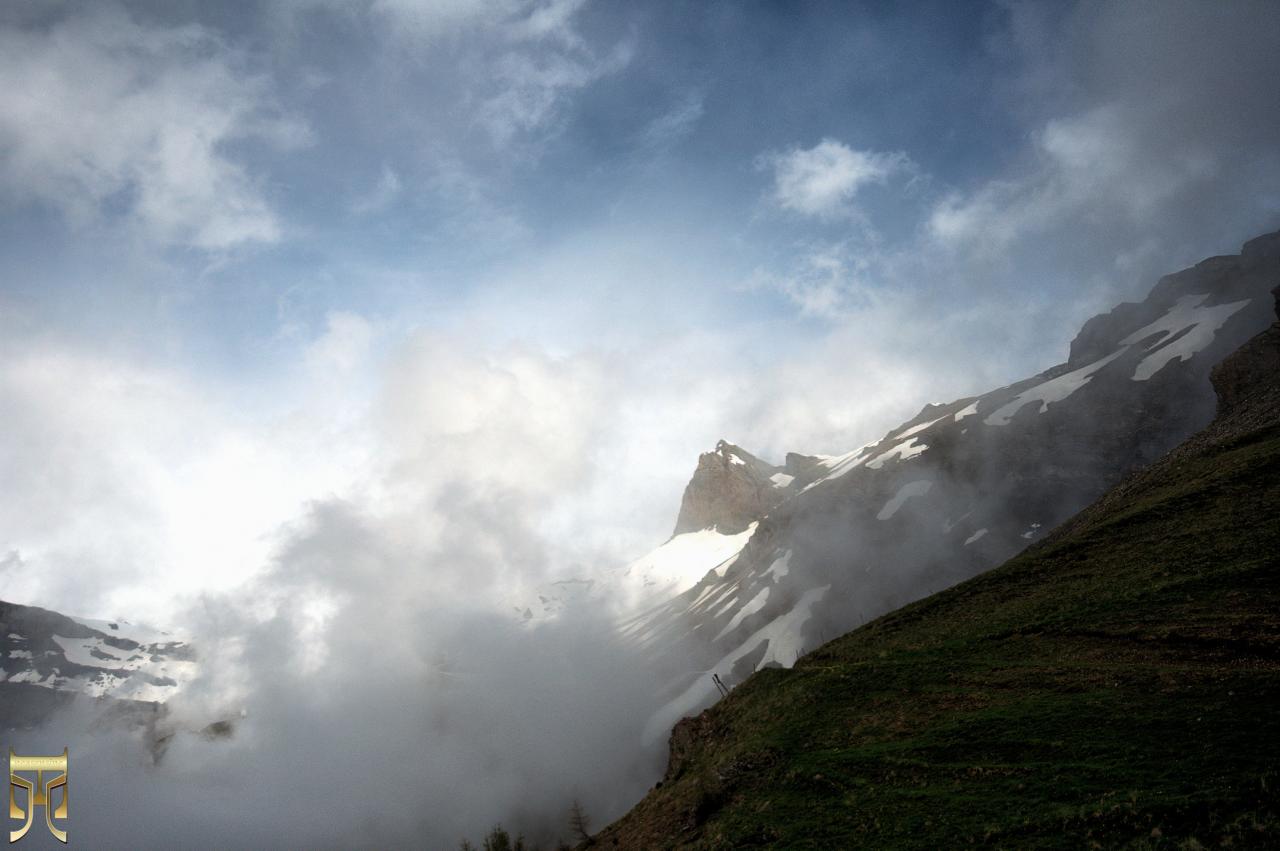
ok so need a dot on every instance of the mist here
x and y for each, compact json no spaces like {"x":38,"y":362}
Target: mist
{"x":332,"y":334}
{"x":370,"y":707}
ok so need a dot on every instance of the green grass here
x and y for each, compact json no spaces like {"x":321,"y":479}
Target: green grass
{"x":1116,"y":686}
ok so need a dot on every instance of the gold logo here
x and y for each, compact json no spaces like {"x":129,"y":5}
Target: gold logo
{"x":39,"y":794}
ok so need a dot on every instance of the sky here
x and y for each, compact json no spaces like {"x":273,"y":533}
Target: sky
{"x":256,"y":256}
{"x":328,"y":328}
{"x":259,"y":255}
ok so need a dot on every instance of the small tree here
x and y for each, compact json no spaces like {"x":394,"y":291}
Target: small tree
{"x":579,"y":823}
{"x":497,"y":840}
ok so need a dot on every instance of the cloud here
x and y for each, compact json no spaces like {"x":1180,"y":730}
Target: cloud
{"x":381,"y":196}
{"x":478,"y":211}
{"x":103,"y":117}
{"x":823,"y":180}
{"x":366,"y":643}
{"x":532,"y":87}
{"x":391,"y":494}
{"x":420,"y":18}
{"x":676,"y":123}
{"x":550,"y":19}
{"x":343,"y":347}
{"x":524,"y":58}
{"x":515,"y":20}
{"x":133,"y":486}
{"x":827,"y":280}
{"x":130,"y":486}
{"x":1150,"y":126}
{"x":1093,"y":161}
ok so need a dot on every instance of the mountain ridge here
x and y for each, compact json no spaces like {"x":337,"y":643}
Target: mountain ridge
{"x":957,"y":489}
{"x":1113,"y":685}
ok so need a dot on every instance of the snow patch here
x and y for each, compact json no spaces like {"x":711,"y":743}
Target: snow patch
{"x":726,"y":607}
{"x":968,"y":411}
{"x":724,"y":566}
{"x":783,"y":635}
{"x":910,"y":489}
{"x":754,"y":605}
{"x":904,"y":451}
{"x":1053,"y":390}
{"x":80,"y":651}
{"x":976,"y":536}
{"x":683,"y":561}
{"x":1199,"y":323}
{"x":916,"y":429}
{"x":144,"y":673}
{"x":781,"y":480}
{"x":780,"y":567}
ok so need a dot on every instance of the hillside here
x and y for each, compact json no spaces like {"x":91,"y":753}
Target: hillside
{"x":1114,"y":685}
{"x":951,"y":493}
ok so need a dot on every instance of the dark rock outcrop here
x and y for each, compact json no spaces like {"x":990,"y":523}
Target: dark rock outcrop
{"x":1247,"y":378}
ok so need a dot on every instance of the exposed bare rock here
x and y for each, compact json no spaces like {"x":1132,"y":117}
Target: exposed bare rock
{"x":1247,"y":378}
{"x":729,"y":490}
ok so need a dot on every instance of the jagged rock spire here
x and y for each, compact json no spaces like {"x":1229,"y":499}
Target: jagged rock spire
{"x":730,"y":488}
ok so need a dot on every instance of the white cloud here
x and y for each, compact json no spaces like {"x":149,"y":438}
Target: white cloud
{"x":532,"y":87}
{"x":1092,"y":163}
{"x":823,"y":180}
{"x":343,"y":347}
{"x":550,"y":19}
{"x":99,"y":113}
{"x":1138,"y":132}
{"x":826,"y":280}
{"x":522,"y":59}
{"x":128,"y":485}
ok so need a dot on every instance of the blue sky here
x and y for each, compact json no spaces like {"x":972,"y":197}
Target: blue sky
{"x":255,"y":255}
{"x":366,"y":150}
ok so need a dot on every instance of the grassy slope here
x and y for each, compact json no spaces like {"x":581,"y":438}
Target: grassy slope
{"x":1116,"y":686}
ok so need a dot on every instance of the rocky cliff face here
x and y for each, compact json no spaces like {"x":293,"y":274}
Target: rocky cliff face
{"x":1246,"y":381}
{"x":956,"y":490}
{"x":731,"y":488}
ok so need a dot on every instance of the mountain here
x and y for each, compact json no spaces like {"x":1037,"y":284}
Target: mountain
{"x":47,"y":659}
{"x":953,"y":492}
{"x":1112,"y":686}
{"x":731,"y":489}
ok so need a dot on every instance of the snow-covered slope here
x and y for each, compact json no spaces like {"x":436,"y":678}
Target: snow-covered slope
{"x":957,"y":489}
{"x":729,"y":490}
{"x":116,"y":659}
{"x":681,"y":563}
{"x":660,"y":575}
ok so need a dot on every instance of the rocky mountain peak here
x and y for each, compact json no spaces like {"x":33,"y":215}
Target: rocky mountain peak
{"x":730,"y":488}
